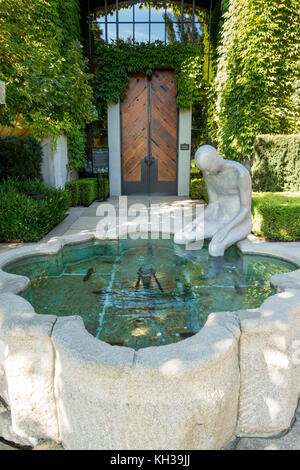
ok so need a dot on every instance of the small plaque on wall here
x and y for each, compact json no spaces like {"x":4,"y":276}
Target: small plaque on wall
{"x":184,"y":147}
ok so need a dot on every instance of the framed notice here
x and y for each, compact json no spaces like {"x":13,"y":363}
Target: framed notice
{"x":184,"y":147}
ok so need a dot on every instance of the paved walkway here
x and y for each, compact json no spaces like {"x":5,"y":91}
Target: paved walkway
{"x":85,"y":219}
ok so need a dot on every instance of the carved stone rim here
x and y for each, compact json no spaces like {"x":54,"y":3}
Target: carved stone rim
{"x":222,"y":321}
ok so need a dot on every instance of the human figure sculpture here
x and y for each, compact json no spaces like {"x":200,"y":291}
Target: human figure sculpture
{"x":227,"y":217}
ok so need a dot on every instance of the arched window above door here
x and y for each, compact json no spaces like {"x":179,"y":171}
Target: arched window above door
{"x":140,"y":21}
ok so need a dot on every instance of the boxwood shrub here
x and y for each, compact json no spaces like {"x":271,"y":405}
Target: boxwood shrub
{"x":276,"y":163}
{"x":23,"y":218}
{"x":84,"y":191}
{"x":195,"y":173}
{"x":20,"y":158}
{"x":276,"y":215}
{"x":198,"y":189}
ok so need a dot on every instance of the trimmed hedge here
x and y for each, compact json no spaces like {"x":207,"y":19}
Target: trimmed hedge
{"x":276,"y":215}
{"x":84,"y":191}
{"x":276,"y":163}
{"x":198,"y":189}
{"x":195,"y":173}
{"x":23,"y":218}
{"x":20,"y":158}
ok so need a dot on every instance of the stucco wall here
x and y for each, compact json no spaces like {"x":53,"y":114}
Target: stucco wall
{"x":55,"y":161}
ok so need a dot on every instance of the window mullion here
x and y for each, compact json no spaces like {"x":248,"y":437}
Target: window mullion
{"x":149,"y":22}
{"x":106,"y":32}
{"x":133,"y":13}
{"x":193,"y":21}
{"x":181,"y":20}
{"x":117,"y":18}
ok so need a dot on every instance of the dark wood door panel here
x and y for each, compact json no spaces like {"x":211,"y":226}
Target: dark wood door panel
{"x":164,"y":123}
{"x":134,"y":127}
{"x":149,"y":129}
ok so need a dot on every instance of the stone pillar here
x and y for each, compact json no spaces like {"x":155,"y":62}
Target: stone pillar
{"x":54,"y":163}
{"x":114,"y":144}
{"x":184,"y":152}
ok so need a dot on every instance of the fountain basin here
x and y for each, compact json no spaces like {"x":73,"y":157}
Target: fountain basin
{"x":141,"y":293}
{"x":237,"y":376}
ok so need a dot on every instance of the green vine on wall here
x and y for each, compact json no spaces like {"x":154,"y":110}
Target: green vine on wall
{"x":115,"y":62}
{"x":258,"y":68}
{"x":43,"y":65}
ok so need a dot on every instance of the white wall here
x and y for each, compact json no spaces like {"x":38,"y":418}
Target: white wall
{"x":54,"y":163}
{"x":184,"y":156}
{"x":114,"y":144}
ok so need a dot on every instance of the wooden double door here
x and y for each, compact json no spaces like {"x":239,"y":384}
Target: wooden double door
{"x":149,"y":134}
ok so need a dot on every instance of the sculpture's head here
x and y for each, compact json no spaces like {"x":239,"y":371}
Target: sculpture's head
{"x":207,"y":159}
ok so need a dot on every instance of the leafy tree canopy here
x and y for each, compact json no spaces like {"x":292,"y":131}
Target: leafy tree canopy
{"x":42,"y":63}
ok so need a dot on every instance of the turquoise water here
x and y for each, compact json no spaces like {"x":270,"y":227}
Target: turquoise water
{"x":141,"y":293}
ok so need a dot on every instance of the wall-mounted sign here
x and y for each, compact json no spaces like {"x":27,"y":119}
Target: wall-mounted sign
{"x":2,"y":92}
{"x":184,"y":147}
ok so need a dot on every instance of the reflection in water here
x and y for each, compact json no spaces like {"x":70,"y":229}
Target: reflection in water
{"x":140,"y":293}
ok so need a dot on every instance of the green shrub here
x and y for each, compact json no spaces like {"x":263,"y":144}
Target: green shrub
{"x":103,"y":188}
{"x":276,"y":163}
{"x":28,"y":186}
{"x":25,"y":219}
{"x":56,"y":203}
{"x":195,"y":173}
{"x":87,"y":191}
{"x":73,"y":188}
{"x":84,"y":191}
{"x":198,"y":189}
{"x":20,"y":158}
{"x":276,"y":215}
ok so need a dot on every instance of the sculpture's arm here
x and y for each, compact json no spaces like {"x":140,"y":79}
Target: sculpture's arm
{"x":210,"y":210}
{"x":212,"y":206}
{"x":245,"y":208}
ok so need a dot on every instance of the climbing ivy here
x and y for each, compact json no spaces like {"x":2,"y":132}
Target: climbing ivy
{"x":258,"y":68}
{"x":114,"y":62}
{"x":42,"y":63}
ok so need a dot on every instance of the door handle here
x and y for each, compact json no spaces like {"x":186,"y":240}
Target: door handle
{"x":149,"y":160}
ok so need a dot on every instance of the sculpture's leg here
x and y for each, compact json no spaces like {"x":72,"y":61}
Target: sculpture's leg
{"x":189,"y":233}
{"x":217,"y":248}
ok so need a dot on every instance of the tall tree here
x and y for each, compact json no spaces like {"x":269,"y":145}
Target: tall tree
{"x":42,"y":63}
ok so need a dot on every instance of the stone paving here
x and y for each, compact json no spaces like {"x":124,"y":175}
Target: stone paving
{"x":288,"y":441}
{"x":84,"y":219}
